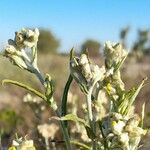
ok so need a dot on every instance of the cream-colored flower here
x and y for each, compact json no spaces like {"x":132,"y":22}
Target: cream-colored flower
{"x":135,"y":131}
{"x":124,"y":138}
{"x":114,"y":54}
{"x":117,"y":127}
{"x":116,"y":116}
{"x":17,"y":53}
{"x":84,"y":72}
{"x":10,"y":49}
{"x":26,"y":38}
{"x":22,"y":144}
{"x":48,"y":130}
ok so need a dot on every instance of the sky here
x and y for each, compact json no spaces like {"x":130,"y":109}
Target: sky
{"x":74,"y":21}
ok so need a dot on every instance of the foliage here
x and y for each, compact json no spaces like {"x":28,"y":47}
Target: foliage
{"x":123,"y":35}
{"x":47,"y":42}
{"x":8,"y":120}
{"x":141,"y":44}
{"x":143,"y":37}
{"x":92,"y":46}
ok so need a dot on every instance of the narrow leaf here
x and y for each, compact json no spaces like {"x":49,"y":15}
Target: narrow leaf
{"x":83,"y":146}
{"x":74,"y":118}
{"x":71,"y":53}
{"x":90,"y":132}
{"x":65,"y":95}
{"x":142,"y":114}
{"x":25,"y":87}
{"x":133,"y":95}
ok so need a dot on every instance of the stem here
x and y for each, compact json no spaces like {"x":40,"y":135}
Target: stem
{"x":53,"y":145}
{"x":47,"y":144}
{"x":39,"y":76}
{"x":62,"y":124}
{"x":1,"y":143}
{"x":65,"y":133}
{"x":65,"y":94}
{"x":89,"y":106}
{"x":90,"y":115}
{"x":64,"y":98}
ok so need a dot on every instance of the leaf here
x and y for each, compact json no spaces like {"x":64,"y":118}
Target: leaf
{"x":90,"y":132}
{"x":65,"y":95}
{"x":64,"y":98}
{"x":34,"y":54}
{"x":74,"y":118}
{"x":72,"y":53}
{"x":132,"y":94}
{"x":82,"y":145}
{"x":49,"y":87}
{"x":142,"y":115}
{"x":118,"y":66}
{"x":25,"y":87}
{"x":103,"y":135}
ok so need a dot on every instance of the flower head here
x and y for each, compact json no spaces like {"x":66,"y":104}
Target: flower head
{"x":114,"y":55}
{"x":124,"y":139}
{"x":84,"y":72}
{"x":117,"y":127}
{"x":22,"y":144}
{"x":48,"y":130}
{"x":16,"y":49}
{"x":26,"y":38}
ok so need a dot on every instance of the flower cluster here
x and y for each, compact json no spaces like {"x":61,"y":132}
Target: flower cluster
{"x":114,"y":58}
{"x":22,"y":144}
{"x":48,"y":130}
{"x":114,"y":55}
{"x":122,"y":132}
{"x":17,"y":49}
{"x":120,"y":129}
{"x":84,"y":72}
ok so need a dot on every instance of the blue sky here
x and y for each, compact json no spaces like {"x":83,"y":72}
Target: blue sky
{"x":74,"y":21}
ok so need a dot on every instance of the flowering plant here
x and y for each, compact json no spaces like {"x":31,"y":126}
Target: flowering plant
{"x":22,"y":144}
{"x":120,"y":128}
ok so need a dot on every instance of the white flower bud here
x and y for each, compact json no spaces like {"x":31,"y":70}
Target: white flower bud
{"x":117,"y":127}
{"x":114,"y":54}
{"x":85,"y":73}
{"x":26,"y":38}
{"x":10,"y":49}
{"x":28,"y":143}
{"x":83,"y":59}
{"x":124,"y":139}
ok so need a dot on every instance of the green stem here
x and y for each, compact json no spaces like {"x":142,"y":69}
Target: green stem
{"x":64,"y":98}
{"x":90,"y":115}
{"x":84,"y":146}
{"x":104,"y":138}
{"x":65,"y":134}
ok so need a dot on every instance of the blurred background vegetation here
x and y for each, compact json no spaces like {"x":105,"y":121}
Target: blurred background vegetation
{"x":18,"y":117}
{"x":47,"y":42}
{"x":14,"y":113}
